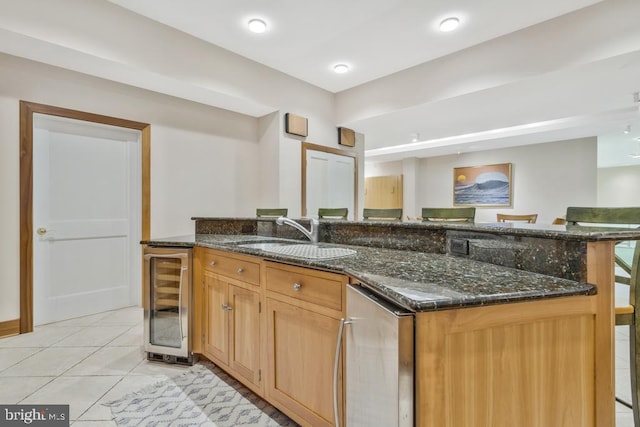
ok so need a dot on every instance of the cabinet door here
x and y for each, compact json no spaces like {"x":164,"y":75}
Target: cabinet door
{"x":216,"y":342}
{"x":244,"y":355}
{"x":301,"y":356}
{"x":383,"y":192}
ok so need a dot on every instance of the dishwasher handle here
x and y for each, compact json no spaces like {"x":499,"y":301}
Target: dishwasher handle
{"x":336,"y":365}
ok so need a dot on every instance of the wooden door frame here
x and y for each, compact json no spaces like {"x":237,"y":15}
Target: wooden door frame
{"x":27,"y":109}
{"x":309,"y":146}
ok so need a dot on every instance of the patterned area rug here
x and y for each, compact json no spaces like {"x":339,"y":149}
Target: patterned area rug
{"x":202,"y":396}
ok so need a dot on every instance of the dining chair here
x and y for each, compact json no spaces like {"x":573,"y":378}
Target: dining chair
{"x":449,"y":214}
{"x":333,"y":213}
{"x":531,"y":219}
{"x":624,"y":314}
{"x":382,"y":214}
{"x":262,"y":213}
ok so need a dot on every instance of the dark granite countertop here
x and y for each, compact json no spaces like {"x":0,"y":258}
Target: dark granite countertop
{"x":558,"y":232}
{"x":415,"y":280}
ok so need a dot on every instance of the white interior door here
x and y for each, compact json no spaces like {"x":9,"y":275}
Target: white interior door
{"x":87,"y":220}
{"x":330,"y":182}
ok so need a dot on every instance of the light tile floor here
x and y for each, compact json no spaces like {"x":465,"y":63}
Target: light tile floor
{"x":624,"y":415}
{"x":82,"y":362}
{"x":86,"y":361}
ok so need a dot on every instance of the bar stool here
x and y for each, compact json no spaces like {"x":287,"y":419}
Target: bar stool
{"x":531,"y":219}
{"x":624,"y":314}
{"x":449,"y":214}
{"x":333,"y":213}
{"x":382,"y":214}
{"x":261,"y":212}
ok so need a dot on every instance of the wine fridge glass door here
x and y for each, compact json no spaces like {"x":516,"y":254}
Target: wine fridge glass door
{"x":167,"y":285}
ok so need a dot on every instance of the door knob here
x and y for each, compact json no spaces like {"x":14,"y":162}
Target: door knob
{"x":41,"y":231}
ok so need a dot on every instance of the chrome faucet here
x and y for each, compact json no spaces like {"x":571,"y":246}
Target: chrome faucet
{"x":311,"y":234}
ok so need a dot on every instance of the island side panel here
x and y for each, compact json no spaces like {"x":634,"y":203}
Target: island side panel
{"x":526,"y":364}
{"x":600,"y":272}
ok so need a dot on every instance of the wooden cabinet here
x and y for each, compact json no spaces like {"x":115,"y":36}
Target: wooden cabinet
{"x":244,"y":333}
{"x":522,"y":364}
{"x":231,"y":315}
{"x":304,"y":308}
{"x":383,"y":192}
{"x":274,"y":327}
{"x":216,"y":337}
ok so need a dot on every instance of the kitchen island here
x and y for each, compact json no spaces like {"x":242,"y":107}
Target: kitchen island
{"x":545,"y":358}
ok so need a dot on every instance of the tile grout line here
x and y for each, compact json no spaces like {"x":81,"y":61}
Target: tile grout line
{"x":98,"y":348}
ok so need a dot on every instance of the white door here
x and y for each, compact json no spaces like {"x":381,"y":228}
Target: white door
{"x":86,"y":217}
{"x":330,"y":182}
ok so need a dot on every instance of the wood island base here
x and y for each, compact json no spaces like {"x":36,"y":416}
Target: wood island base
{"x":525,"y":364}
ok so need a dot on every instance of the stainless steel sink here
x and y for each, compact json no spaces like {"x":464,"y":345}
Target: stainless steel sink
{"x":263,"y":246}
{"x":308,"y":251}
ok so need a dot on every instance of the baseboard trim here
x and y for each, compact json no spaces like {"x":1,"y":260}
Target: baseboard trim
{"x":9,"y":327}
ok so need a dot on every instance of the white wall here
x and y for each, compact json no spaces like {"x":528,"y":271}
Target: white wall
{"x":619,"y":186}
{"x":200,"y":174}
{"x":547,"y":178}
{"x":204,"y":161}
{"x":268,"y":137}
{"x":410,"y":173}
{"x":383,"y":168}
{"x":9,"y":209}
{"x":322,"y":130}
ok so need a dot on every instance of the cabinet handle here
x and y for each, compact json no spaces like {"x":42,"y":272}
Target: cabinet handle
{"x":297,"y":286}
{"x":240,"y":270}
{"x":226,"y":307}
{"x":212,"y":263}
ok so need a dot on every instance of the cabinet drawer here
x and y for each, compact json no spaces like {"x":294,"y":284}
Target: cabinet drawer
{"x":236,"y":268}
{"x":316,"y":287}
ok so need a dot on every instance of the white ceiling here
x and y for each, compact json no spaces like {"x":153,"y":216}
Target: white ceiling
{"x":516,"y":71}
{"x":375,"y":37}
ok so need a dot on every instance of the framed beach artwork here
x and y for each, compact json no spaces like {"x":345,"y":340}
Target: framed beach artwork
{"x":488,"y":185}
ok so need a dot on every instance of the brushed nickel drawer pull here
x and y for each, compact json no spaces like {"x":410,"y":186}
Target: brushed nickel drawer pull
{"x":297,"y":286}
{"x":240,"y":270}
{"x":212,"y":263}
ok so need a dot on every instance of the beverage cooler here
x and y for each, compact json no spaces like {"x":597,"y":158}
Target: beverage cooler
{"x":167,"y":301}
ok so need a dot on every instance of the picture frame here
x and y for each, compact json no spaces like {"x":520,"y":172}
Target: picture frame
{"x":486,"y":185}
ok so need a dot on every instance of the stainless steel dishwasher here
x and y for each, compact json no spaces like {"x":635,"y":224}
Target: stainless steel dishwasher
{"x":379,"y":357}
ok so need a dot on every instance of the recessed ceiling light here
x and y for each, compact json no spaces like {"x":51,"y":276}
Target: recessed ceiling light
{"x":341,"y":68}
{"x":449,"y":24}
{"x":257,"y":26}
